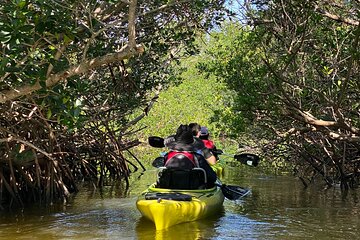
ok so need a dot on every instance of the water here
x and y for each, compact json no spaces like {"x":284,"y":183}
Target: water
{"x":278,"y":208}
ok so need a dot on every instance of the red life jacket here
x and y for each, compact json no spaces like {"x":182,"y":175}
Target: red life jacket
{"x":186,"y":159}
{"x":208,"y":143}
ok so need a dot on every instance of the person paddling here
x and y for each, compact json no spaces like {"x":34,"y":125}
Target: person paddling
{"x":200,"y":145}
{"x":204,"y":136}
{"x":184,"y":154}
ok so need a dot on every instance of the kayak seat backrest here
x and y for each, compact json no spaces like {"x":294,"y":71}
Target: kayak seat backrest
{"x":186,"y":179}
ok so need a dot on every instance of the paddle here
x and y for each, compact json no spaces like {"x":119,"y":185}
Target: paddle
{"x":232,"y":192}
{"x":158,"y":162}
{"x":157,"y":142}
{"x":245,"y":158}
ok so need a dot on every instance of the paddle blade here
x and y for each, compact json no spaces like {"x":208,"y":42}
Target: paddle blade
{"x":157,"y":142}
{"x":234,"y":192}
{"x":158,"y":162}
{"x":248,"y":159}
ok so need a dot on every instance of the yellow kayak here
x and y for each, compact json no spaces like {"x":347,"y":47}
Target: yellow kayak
{"x":218,"y":169}
{"x":168,"y":207}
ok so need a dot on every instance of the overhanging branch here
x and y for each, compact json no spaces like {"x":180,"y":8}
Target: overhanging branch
{"x":125,"y":53}
{"x":336,"y":17}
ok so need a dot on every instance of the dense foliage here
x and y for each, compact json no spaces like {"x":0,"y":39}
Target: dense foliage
{"x":195,"y":99}
{"x":76,"y":78}
{"x":71,"y":75}
{"x":295,"y":71}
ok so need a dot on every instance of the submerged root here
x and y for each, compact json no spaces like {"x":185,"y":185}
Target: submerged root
{"x":42,"y":162}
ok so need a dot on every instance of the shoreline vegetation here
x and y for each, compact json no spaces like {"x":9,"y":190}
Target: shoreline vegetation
{"x":83,"y":84}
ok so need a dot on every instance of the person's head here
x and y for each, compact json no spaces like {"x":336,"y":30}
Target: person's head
{"x":184,"y":135}
{"x":195,"y":128}
{"x":204,"y":133}
{"x":184,"y":140}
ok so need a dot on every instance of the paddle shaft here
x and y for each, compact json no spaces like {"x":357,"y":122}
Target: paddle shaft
{"x":245,"y":158}
{"x":230,"y":192}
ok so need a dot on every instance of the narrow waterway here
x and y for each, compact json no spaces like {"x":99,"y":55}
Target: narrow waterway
{"x":278,"y":208}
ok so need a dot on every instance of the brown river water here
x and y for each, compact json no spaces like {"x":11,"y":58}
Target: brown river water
{"x":278,"y":208}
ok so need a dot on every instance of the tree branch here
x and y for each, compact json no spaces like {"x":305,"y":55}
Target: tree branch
{"x":15,"y":139}
{"x":124,"y":53}
{"x":132,"y":23}
{"x":336,"y":17}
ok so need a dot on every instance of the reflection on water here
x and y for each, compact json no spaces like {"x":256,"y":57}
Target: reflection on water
{"x":203,"y":229}
{"x":281,"y":208}
{"x":278,"y":208}
{"x":92,"y":219}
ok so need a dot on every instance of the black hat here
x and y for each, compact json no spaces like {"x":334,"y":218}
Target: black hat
{"x":185,"y":137}
{"x":184,"y":140}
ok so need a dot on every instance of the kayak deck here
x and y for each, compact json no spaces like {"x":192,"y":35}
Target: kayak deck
{"x":168,"y":207}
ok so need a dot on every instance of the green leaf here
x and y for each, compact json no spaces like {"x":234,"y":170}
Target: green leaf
{"x":26,"y":28}
{"x":5,"y":38}
{"x":42,"y":83}
{"x":11,"y":69}
{"x":48,"y":114}
{"x":21,"y":4}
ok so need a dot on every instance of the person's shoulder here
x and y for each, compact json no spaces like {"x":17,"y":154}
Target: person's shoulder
{"x":199,"y":142}
{"x":198,"y":155}
{"x":207,"y":152}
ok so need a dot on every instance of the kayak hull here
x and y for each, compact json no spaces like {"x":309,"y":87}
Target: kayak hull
{"x":218,"y":169}
{"x":167,"y":211}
